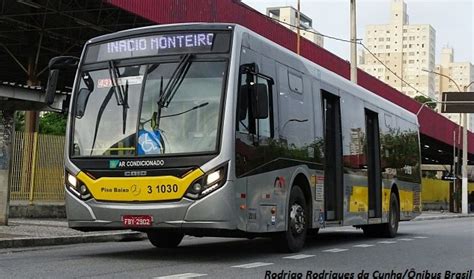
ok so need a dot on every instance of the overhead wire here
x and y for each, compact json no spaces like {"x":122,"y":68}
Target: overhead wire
{"x":359,"y":42}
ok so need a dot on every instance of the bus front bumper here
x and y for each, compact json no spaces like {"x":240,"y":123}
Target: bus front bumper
{"x":216,"y":211}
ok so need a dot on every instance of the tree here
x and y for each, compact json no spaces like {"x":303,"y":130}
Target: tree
{"x":422,"y":99}
{"x":53,"y":123}
{"x":19,"y":121}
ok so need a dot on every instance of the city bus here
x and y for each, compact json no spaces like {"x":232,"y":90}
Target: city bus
{"x":209,"y":129}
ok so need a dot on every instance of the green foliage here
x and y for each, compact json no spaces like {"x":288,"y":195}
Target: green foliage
{"x":53,"y":123}
{"x":422,"y":99}
{"x":20,"y":121}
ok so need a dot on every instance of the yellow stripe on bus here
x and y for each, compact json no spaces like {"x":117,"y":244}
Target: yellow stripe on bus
{"x":146,"y":188}
{"x":359,"y":200}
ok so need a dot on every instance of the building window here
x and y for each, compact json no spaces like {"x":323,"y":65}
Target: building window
{"x":387,"y":47}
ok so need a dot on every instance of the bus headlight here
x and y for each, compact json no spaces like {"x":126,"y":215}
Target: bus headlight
{"x":208,"y":183}
{"x":72,"y":180}
{"x":77,"y":187}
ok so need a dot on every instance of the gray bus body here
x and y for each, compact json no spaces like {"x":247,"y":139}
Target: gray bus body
{"x":345,"y":147}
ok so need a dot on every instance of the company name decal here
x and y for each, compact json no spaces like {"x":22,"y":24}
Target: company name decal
{"x":113,"y":164}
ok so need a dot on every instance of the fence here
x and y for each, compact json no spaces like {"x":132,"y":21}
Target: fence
{"x":37,"y":168}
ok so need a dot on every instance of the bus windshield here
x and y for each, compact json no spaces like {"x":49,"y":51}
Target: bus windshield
{"x":149,"y":109}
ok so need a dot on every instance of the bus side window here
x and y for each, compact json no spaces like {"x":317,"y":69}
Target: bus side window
{"x":255,"y":113}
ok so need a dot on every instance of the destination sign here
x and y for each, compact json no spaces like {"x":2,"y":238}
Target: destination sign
{"x":162,"y":44}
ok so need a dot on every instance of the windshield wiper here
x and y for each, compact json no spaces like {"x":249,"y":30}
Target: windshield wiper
{"x":186,"y":111}
{"x":120,"y":92}
{"x":121,"y":96}
{"x":167,"y":94}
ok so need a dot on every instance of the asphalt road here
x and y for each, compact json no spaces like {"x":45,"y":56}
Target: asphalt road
{"x":422,"y":250}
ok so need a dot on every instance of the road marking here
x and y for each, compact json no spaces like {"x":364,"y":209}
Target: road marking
{"x":363,"y":245}
{"x":252,"y":265}
{"x":183,"y":275}
{"x":420,"y":237}
{"x":406,"y":239}
{"x":335,"y":250}
{"x":387,"y":242}
{"x":299,"y":257}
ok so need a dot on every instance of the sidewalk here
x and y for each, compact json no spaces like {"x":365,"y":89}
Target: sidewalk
{"x":437,"y":215}
{"x":44,"y":232}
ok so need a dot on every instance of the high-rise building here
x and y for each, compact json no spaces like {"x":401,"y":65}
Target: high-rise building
{"x":289,"y":15}
{"x":405,"y":48}
{"x":461,"y":72}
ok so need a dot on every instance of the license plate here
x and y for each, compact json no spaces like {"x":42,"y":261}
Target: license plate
{"x":137,"y":220}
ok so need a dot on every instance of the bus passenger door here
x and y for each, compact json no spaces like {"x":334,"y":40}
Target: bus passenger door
{"x":373,"y":164}
{"x":333,"y":194}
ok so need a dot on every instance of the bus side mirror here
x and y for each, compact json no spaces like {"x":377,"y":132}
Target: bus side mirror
{"x":55,"y":65}
{"x":82,"y":99}
{"x":260,"y":101}
{"x":51,"y":86}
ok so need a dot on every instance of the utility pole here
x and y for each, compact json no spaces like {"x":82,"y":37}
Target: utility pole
{"x":464,"y":186}
{"x":298,"y":22}
{"x":353,"y":42}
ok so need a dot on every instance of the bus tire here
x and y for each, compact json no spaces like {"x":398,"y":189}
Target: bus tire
{"x":293,"y":239}
{"x":390,"y":229}
{"x":165,"y":239}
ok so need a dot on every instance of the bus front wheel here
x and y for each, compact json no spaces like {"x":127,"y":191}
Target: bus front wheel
{"x":165,"y":239}
{"x":293,"y":239}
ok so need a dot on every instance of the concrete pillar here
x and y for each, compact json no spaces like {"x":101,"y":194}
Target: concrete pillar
{"x":7,"y":128}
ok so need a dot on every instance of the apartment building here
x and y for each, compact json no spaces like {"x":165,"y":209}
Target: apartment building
{"x":289,"y":15}
{"x":461,"y":72}
{"x":405,"y":48}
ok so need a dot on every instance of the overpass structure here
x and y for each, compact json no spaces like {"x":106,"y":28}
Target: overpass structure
{"x":436,"y":131}
{"x":14,"y":97}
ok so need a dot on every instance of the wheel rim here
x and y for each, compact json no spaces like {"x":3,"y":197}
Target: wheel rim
{"x":297,"y":219}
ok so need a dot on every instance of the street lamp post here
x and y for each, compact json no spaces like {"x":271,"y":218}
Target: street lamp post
{"x":298,"y":26}
{"x":353,"y":42}
{"x":464,"y":160}
{"x":464,"y":146}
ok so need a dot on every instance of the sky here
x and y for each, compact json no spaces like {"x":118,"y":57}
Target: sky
{"x":453,"y":21}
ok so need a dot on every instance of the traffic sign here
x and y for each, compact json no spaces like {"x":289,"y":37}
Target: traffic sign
{"x":458,"y":102}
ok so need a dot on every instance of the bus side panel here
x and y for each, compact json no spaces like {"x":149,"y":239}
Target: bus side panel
{"x":354,"y":160}
{"x":406,"y":144}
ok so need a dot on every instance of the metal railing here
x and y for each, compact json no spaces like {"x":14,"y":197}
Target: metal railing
{"x":37,"y":172}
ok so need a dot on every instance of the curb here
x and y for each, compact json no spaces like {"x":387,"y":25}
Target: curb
{"x":64,"y":240}
{"x":426,"y":218}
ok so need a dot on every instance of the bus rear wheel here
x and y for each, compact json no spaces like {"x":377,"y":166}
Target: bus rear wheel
{"x":293,"y":239}
{"x":390,"y":229}
{"x":165,"y":239}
